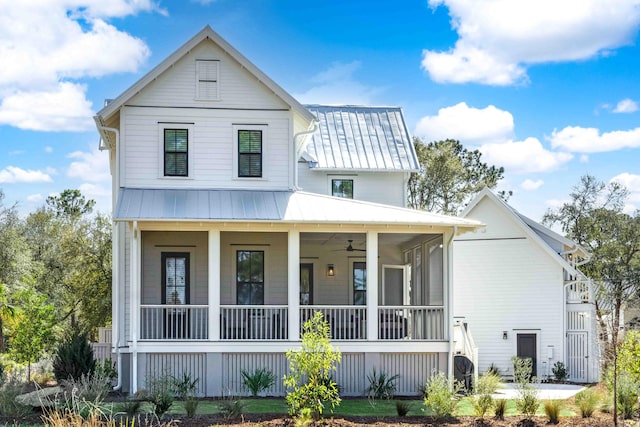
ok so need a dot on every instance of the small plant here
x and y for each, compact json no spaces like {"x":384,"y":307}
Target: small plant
{"x":185,"y":387}
{"x":258,"y":381}
{"x":499,"y":409}
{"x":559,"y":371}
{"x":89,"y":387}
{"x":74,"y":358}
{"x":160,"y":394}
{"x":442,"y":395}
{"x":587,"y":402}
{"x":131,"y":407}
{"x":9,"y":407}
{"x":627,"y":396}
{"x":231,"y":407}
{"x":482,"y":400}
{"x":304,"y":419}
{"x":381,"y":385}
{"x":310,"y":370}
{"x":493,"y":369}
{"x":107,"y":369}
{"x":527,"y":401}
{"x":552,"y":410}
{"x":402,"y":408}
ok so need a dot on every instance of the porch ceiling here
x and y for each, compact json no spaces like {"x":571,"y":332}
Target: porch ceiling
{"x":268,"y":206}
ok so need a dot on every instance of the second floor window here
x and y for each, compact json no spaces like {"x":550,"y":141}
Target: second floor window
{"x":176,"y":150}
{"x":250,"y":153}
{"x":342,"y":188}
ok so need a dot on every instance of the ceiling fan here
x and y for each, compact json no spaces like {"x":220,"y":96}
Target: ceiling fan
{"x":350,"y":247}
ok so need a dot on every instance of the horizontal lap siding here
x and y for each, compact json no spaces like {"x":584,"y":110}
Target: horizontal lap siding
{"x":211,"y":146}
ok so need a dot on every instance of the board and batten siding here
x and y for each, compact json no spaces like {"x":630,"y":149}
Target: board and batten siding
{"x":377,"y":187}
{"x":211,"y":147}
{"x":237,"y":87}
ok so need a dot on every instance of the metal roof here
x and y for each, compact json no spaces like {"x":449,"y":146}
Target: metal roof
{"x":361,"y":138}
{"x":267,"y":206}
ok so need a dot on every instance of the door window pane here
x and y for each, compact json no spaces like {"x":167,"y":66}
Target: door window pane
{"x":250,"y":277}
{"x":359,"y":283}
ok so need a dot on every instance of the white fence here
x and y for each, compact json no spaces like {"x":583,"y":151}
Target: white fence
{"x":174,"y":322}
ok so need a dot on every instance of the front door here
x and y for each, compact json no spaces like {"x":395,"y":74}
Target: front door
{"x":175,"y":291}
{"x":306,"y":284}
{"x":527,"y":349}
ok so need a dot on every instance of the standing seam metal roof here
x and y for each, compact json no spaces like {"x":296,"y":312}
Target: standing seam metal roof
{"x":361,"y":138}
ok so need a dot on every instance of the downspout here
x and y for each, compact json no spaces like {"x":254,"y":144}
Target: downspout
{"x":115,"y":297}
{"x":450,"y":301}
{"x":297,"y":151}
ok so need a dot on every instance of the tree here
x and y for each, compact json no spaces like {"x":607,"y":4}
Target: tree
{"x":32,"y":328}
{"x":70,"y":204}
{"x":449,"y":176}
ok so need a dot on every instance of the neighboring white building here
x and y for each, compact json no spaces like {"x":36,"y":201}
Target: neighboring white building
{"x":219,"y":257}
{"x":518,"y":286}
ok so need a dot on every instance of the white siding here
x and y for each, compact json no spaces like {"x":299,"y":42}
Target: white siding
{"x":211,"y":146}
{"x":176,"y":87}
{"x":505,"y":282}
{"x":378,"y":187}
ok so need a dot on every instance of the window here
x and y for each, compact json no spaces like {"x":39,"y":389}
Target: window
{"x":342,"y":188}
{"x":176,"y":152}
{"x":175,"y":278}
{"x":250,"y":277}
{"x":359,"y":283}
{"x":250,"y":153}
{"x":207,"y":73}
{"x":306,"y":284}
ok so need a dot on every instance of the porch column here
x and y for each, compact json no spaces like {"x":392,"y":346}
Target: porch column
{"x":134,"y":289}
{"x":293,"y":280}
{"x":214,"y":285}
{"x":372,"y":285}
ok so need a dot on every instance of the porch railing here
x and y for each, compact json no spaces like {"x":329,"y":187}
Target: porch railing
{"x":174,"y":322}
{"x":411,"y":322}
{"x":578,"y":292}
{"x":346,"y":322}
{"x":253,"y":322}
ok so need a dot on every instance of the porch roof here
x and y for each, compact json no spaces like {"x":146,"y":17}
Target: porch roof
{"x":267,"y":206}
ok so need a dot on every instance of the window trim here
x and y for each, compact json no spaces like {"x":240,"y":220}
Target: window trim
{"x":190,"y":148}
{"x":352,"y":178}
{"x":198,"y":80}
{"x":236,"y":128}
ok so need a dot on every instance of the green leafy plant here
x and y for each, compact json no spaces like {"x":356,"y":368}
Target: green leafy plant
{"x":442,"y":395}
{"x":9,"y":407}
{"x":402,"y":408}
{"x":89,"y":388}
{"x":160,"y":393}
{"x":485,"y":387}
{"x":310,"y":368}
{"x":499,"y":408}
{"x":74,"y":358}
{"x":131,"y":407}
{"x":527,"y":401}
{"x":587,"y":402}
{"x":559,"y":371}
{"x":493,"y":369}
{"x":107,"y":368}
{"x":381,"y":385}
{"x":231,"y":407}
{"x":258,"y":380}
{"x":185,"y":387}
{"x":552,"y":410}
{"x":627,"y":396}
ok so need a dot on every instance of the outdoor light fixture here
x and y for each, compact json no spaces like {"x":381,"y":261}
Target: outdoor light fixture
{"x":504,"y":335}
{"x":330,"y":271}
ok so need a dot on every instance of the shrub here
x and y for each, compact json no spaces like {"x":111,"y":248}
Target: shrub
{"x":9,"y":407}
{"x":493,"y":369}
{"x":482,"y":400}
{"x":627,"y":396}
{"x":260,"y":380}
{"x":231,"y":408}
{"x":74,"y":358}
{"x":499,"y":408}
{"x":587,"y":401}
{"x":441,"y":398}
{"x":131,"y":407}
{"x":628,"y":360}
{"x":160,"y":394}
{"x":402,"y":408}
{"x":310,"y":370}
{"x":559,"y":371}
{"x":552,"y":409}
{"x":527,"y":401}
{"x":185,"y":388}
{"x":381,"y":385}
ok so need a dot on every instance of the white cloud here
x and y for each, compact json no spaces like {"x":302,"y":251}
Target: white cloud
{"x":530,"y":185}
{"x":467,"y":124}
{"x":90,"y":166}
{"x":626,"y":106}
{"x":497,"y":40}
{"x":13,"y":174}
{"x":98,"y":192}
{"x":584,"y":158}
{"x":337,"y":85}
{"x":48,"y":149}
{"x":44,"y":49}
{"x":528,"y":156}
{"x":632,"y":183}
{"x":64,"y":108}
{"x":589,"y":140}
{"x":35,"y":198}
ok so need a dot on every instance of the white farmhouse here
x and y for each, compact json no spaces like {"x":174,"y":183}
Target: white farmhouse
{"x":219,"y":256}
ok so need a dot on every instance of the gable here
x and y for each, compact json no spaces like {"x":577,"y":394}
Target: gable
{"x":499,"y":224}
{"x":223,"y":83}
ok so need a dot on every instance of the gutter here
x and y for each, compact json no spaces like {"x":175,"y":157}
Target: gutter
{"x":297,"y":151}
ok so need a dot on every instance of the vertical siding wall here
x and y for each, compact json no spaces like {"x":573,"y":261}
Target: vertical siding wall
{"x":234,"y":363}
{"x":413,"y":369}
{"x":350,"y":375}
{"x":176,"y":365}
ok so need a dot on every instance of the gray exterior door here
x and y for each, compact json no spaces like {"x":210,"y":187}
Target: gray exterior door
{"x":578,"y":356}
{"x":527,"y":348}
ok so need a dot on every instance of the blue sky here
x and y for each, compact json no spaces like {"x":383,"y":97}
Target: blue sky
{"x":549,"y":90}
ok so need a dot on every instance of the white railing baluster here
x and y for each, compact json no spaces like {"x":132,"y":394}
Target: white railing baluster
{"x":253,"y":322}
{"x":173,"y":322}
